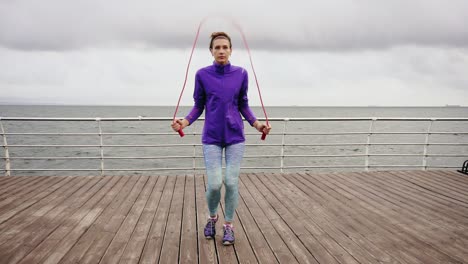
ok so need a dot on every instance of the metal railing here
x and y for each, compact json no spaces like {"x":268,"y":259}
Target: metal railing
{"x":283,"y":143}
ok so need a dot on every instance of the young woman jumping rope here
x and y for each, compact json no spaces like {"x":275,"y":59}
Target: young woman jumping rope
{"x":221,"y":90}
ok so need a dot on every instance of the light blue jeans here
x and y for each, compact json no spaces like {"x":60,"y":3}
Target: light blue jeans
{"x":213,"y":162}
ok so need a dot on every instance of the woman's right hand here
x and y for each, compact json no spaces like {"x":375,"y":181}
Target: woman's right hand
{"x":179,"y":124}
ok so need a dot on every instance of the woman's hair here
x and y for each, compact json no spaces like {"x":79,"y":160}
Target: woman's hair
{"x":220,"y":35}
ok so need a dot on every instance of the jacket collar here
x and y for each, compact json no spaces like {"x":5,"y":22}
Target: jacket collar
{"x":219,"y":68}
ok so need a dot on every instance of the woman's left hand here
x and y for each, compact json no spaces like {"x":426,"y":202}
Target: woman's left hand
{"x":261,"y":127}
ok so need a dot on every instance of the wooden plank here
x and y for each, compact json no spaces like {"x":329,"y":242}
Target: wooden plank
{"x":59,"y":242}
{"x":14,"y":240}
{"x":430,"y":198}
{"x":452,"y":178}
{"x":188,"y":244}
{"x":444,"y":179}
{"x":257,"y":241}
{"x":171,"y":242}
{"x":455,"y":175}
{"x":16,"y":181}
{"x":337,"y":211}
{"x":116,"y":249}
{"x":337,"y":239}
{"x":135,"y":245}
{"x":293,"y":210}
{"x":432,"y":185}
{"x":226,"y":254}
{"x":13,"y":226}
{"x":434,"y":226}
{"x":94,"y":235}
{"x":6,"y":179}
{"x":427,"y":205}
{"x":22,"y":186}
{"x":152,"y":250}
{"x":422,"y":227}
{"x":11,"y":250}
{"x":207,"y":247}
{"x":369,"y":206}
{"x":75,"y":239}
{"x":242,"y":247}
{"x":333,"y":234}
{"x":281,"y":250}
{"x":55,"y":220}
{"x":374,"y":209}
{"x":290,"y":231}
{"x":30,"y":195}
{"x":91,"y":246}
{"x":107,"y":229}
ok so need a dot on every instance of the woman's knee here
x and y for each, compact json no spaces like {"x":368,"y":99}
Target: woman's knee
{"x":214,"y":187}
{"x":231,"y":186}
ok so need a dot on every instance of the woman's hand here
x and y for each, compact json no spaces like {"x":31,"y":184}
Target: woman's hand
{"x":179,"y":124}
{"x":261,"y":127}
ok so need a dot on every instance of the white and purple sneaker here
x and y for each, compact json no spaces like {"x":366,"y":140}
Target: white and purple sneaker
{"x":228,"y":238}
{"x":210,"y":228}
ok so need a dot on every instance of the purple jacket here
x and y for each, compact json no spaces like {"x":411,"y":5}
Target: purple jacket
{"x":222,"y":91}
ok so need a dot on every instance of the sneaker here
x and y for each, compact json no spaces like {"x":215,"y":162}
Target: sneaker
{"x":228,"y":238}
{"x":210,"y":228}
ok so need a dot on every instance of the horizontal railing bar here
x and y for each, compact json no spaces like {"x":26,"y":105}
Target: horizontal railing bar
{"x":263,"y":145}
{"x":133,"y":169}
{"x":428,"y":144}
{"x":343,"y":155}
{"x":377,"y":144}
{"x":324,"y":166}
{"x":150,"y":169}
{"x":363,"y":133}
{"x":362,"y":166}
{"x":90,"y":134}
{"x":55,"y":170}
{"x":110,"y":146}
{"x":47,"y":158}
{"x":249,"y":134}
{"x":151,"y":157}
{"x":246,"y":156}
{"x":348,"y":166}
{"x":256,"y":168}
{"x":140,"y":118}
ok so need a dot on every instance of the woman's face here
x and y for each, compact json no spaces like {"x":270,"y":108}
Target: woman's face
{"x":221,"y":51}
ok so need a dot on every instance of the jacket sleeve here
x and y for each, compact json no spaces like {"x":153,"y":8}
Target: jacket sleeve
{"x":244,"y":100}
{"x":199,"y":98}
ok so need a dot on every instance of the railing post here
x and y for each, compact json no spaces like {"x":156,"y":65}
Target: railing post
{"x":101,"y":145}
{"x":283,"y":140}
{"x":369,"y":141}
{"x":426,"y":145}
{"x":194,"y":153}
{"x":7,"y":153}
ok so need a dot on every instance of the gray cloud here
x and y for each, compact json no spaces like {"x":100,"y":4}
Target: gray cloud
{"x":270,"y":25}
{"x":407,"y":75}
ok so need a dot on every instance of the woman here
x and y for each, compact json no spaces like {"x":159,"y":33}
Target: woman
{"x":221,"y":89}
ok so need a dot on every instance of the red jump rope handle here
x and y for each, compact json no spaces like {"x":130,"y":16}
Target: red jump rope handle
{"x":263,"y":136}
{"x":181,"y":133}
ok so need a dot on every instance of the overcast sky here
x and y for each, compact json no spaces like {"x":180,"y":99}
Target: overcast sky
{"x":318,"y":53}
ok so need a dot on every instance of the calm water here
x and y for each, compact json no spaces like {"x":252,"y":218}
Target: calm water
{"x":163,"y":111}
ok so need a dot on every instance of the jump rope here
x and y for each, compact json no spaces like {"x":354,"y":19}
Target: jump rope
{"x":244,"y":40}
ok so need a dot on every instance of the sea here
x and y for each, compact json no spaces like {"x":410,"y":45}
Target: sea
{"x":281,"y":152}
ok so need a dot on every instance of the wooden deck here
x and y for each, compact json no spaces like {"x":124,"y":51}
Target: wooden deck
{"x":376,"y":217}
